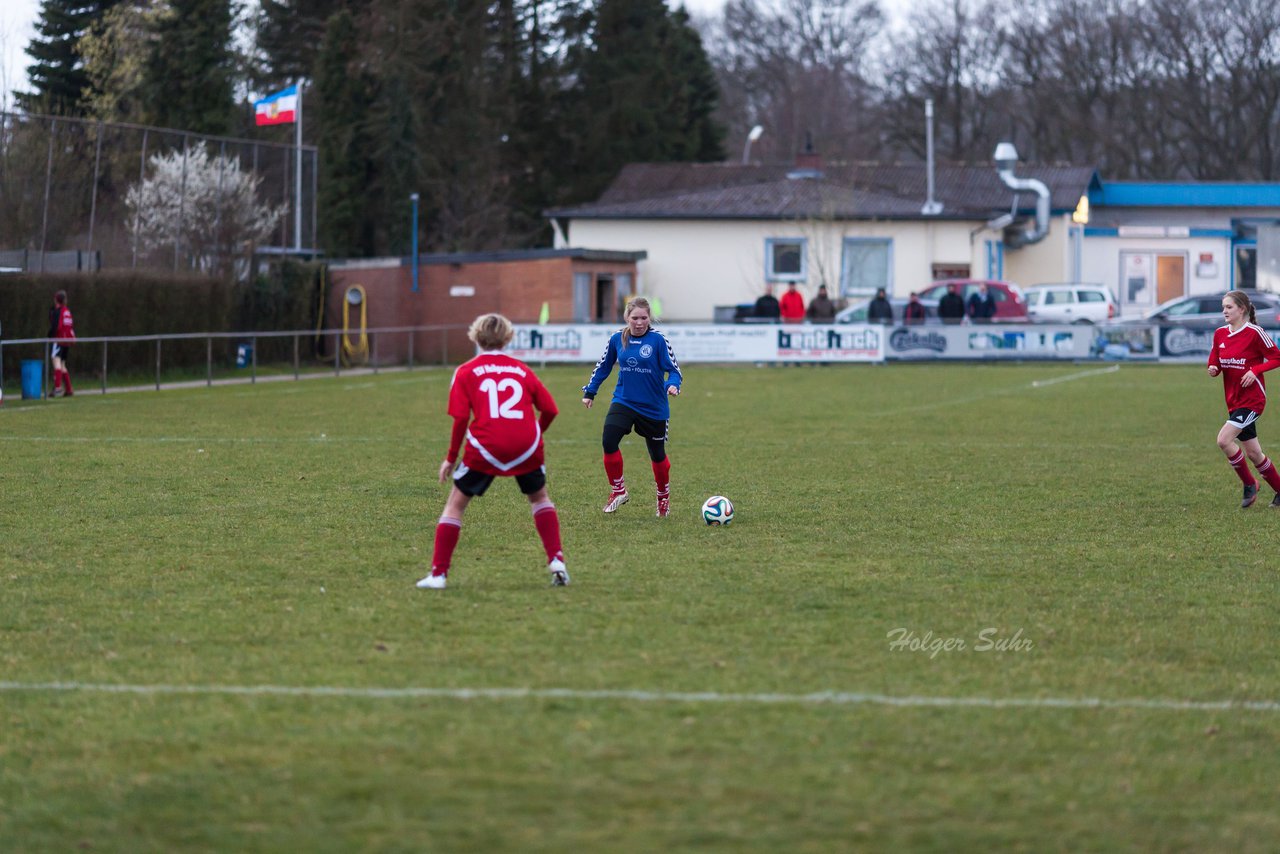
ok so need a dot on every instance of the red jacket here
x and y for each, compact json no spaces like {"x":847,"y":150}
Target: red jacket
{"x":792,"y":306}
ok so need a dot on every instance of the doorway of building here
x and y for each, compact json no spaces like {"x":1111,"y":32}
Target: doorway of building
{"x":606,"y":298}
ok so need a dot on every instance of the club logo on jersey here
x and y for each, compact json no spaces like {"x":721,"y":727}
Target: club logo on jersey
{"x":645,"y":351}
{"x":632,"y":361}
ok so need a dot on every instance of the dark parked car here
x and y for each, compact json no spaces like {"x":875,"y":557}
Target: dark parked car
{"x":1205,"y":310}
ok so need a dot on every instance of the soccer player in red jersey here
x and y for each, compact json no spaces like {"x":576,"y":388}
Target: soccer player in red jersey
{"x":62,"y":329}
{"x":497,"y":395}
{"x":1241,"y":352}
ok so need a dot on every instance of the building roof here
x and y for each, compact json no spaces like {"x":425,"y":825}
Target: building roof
{"x":844,"y":191}
{"x":576,"y":253}
{"x":1188,"y":194}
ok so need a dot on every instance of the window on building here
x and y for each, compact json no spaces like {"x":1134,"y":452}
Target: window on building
{"x":785,"y":259}
{"x":867,"y":266}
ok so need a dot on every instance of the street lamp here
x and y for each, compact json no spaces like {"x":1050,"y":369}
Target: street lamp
{"x":755,"y":134}
{"x":413,"y":197}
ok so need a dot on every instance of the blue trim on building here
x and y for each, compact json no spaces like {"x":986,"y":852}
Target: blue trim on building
{"x":1185,"y":195}
{"x":1100,"y":231}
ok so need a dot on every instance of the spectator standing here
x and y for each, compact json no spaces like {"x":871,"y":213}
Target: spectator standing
{"x":821,"y":308}
{"x":982,"y":305}
{"x":914,"y":314}
{"x":880,"y":310}
{"x":62,"y":329}
{"x":767,"y":307}
{"x":498,"y":395}
{"x":951,"y":306}
{"x":791,"y":306}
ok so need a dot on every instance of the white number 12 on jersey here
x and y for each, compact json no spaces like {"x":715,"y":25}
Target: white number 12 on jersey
{"x":507,"y":408}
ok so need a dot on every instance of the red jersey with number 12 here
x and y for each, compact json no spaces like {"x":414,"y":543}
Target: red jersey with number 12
{"x":501,"y":393}
{"x":1249,"y":348}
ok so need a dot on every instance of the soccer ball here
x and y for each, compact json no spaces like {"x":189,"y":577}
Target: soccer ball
{"x":717,"y":510}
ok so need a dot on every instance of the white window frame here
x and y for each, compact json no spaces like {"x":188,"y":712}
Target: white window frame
{"x":845,"y":289}
{"x":771,"y":273}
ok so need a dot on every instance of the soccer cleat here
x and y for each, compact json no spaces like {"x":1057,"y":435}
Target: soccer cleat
{"x":57,"y":392}
{"x":616,"y":500}
{"x":559,"y":575}
{"x":664,"y":506}
{"x":1250,"y":496}
{"x":432,"y":582}
{"x":1275,"y":502}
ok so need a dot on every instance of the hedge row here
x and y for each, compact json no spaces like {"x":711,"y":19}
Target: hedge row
{"x":129,"y":302}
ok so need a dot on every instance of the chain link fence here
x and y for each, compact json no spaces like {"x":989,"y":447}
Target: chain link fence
{"x":65,"y":184}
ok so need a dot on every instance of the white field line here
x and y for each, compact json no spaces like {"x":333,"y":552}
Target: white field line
{"x":1076,"y":376}
{"x":822,"y":698}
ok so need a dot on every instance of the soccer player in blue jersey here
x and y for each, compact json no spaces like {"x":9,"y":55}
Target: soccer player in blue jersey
{"x":647,"y":376}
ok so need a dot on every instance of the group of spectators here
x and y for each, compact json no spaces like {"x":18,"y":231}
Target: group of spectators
{"x":791,"y":308}
{"x":952,"y":308}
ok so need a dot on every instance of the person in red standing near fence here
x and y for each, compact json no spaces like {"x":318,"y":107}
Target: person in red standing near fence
{"x":63,"y":330}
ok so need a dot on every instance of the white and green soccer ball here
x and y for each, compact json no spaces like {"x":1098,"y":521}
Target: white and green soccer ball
{"x":717,"y":510}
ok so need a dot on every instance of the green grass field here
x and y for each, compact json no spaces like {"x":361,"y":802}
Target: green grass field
{"x":238,"y":565}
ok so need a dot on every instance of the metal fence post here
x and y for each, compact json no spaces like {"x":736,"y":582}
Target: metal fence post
{"x":157,"y":364}
{"x":253,"y":359}
{"x":104,"y":367}
{"x":208,"y":362}
{"x":337,"y":353}
{"x":295,"y":356}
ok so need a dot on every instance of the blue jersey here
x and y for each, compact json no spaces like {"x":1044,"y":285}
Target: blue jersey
{"x":645,"y":369}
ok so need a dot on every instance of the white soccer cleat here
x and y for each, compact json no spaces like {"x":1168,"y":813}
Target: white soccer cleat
{"x":432,"y":582}
{"x":616,"y":500}
{"x":559,"y":575}
{"x":664,"y":505}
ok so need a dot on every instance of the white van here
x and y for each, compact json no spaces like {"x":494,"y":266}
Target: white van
{"x":1073,"y":302}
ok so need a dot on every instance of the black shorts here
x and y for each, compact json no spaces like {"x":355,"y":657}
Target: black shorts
{"x":1247,"y":421}
{"x":625,"y":418}
{"x":474,"y":483}
{"x":59,"y":351}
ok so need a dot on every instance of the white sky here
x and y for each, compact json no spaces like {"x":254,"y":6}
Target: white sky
{"x":17,"y":26}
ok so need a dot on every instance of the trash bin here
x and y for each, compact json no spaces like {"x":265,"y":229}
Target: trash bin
{"x":32,"y":379}
{"x":244,"y":355}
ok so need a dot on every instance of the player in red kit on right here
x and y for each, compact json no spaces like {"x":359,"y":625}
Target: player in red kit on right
{"x":1241,"y":352}
{"x":62,"y":329}
{"x":497,"y":394}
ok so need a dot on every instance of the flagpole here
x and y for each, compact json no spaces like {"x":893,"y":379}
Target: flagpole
{"x":297,"y":183}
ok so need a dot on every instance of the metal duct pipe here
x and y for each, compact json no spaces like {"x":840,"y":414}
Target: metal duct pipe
{"x":1006,"y":158}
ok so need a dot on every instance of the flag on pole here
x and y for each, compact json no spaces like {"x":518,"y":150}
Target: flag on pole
{"x":278,"y":109}
{"x":544,"y":315}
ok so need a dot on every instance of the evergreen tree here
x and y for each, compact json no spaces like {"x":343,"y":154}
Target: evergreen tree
{"x":56,"y":75}
{"x":190,"y":67}
{"x":637,"y":99}
{"x":343,"y":95}
{"x":291,"y":35}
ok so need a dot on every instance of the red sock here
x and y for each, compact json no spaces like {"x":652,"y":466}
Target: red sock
{"x":613,"y":470}
{"x":1269,"y":474}
{"x":447,"y":532}
{"x":66,"y":381}
{"x":547,"y":521}
{"x":662,"y":475}
{"x":1241,"y":465}
{"x":57,"y":380}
